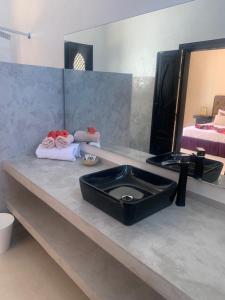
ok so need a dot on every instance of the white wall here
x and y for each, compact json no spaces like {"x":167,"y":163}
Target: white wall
{"x":6,"y":51}
{"x":49,"y":20}
{"x":131,"y":45}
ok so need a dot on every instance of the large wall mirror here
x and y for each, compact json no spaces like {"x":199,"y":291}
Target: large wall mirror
{"x":178,"y":82}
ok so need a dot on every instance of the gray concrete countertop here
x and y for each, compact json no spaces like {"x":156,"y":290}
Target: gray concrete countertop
{"x":178,"y":251}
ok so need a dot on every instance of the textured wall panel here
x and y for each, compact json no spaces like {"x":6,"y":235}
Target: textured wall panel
{"x":99,"y":99}
{"x":31,"y":103}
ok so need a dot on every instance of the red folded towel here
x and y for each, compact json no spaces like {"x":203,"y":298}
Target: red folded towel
{"x":204,"y":126}
{"x":57,"y":138}
{"x":56,"y":133}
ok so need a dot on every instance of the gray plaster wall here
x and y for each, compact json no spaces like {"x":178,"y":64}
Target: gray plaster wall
{"x":141,"y":112}
{"x":31,"y":104}
{"x":99,"y":99}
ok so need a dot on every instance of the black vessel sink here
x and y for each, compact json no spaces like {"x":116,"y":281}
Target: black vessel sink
{"x":211,"y":168}
{"x":127,"y":193}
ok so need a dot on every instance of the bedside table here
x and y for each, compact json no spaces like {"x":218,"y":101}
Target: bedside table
{"x":201,"y":119}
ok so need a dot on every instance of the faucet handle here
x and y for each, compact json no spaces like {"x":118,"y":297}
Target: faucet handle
{"x":200,"y":152}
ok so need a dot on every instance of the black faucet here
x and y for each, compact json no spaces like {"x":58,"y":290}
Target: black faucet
{"x":183,"y":161}
{"x":199,"y":158}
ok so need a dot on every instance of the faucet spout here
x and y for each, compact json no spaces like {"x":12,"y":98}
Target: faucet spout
{"x":183,"y":161}
{"x":182,"y":184}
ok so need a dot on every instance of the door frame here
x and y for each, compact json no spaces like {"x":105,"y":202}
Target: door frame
{"x":186,"y":50}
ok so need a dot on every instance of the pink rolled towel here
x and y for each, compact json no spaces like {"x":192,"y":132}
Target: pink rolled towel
{"x":84,"y":136}
{"x":63,"y":142}
{"x":48,"y":142}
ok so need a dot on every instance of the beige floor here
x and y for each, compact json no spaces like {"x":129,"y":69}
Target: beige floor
{"x":28,"y":273}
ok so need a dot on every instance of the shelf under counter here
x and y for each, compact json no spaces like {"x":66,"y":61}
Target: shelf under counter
{"x":97,"y":273}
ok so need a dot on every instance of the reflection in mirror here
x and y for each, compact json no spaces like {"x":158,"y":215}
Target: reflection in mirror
{"x":178,"y":90}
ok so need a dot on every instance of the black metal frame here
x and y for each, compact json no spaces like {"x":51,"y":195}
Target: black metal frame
{"x":186,"y":51}
{"x":84,"y":49}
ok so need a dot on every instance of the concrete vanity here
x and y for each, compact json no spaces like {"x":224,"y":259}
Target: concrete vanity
{"x":177,"y":253}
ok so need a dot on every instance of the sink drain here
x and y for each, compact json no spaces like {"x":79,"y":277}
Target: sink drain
{"x":127,"y":198}
{"x":124,"y":192}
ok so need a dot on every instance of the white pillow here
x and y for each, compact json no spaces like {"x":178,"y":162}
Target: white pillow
{"x":221,"y":112}
{"x":219,"y":120}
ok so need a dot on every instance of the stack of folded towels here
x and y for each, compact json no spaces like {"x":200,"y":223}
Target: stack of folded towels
{"x":91,"y":136}
{"x":59,"y":145}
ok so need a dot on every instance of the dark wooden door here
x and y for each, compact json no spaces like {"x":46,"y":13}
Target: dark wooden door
{"x":165,"y":102}
{"x":78,"y":56}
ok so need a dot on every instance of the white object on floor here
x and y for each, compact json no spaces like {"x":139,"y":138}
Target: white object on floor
{"x":69,"y":153}
{"x":6,"y":225}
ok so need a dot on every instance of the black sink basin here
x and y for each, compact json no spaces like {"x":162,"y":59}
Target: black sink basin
{"x":127,"y":193}
{"x":211,"y":168}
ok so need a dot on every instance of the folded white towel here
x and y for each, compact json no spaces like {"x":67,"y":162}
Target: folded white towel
{"x":69,"y":153}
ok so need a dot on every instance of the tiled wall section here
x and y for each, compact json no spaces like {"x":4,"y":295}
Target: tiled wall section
{"x":31,"y":103}
{"x":99,"y":99}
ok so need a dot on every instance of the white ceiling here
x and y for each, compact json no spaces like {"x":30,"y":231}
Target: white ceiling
{"x":86,"y":14}
{"x":74,"y":15}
